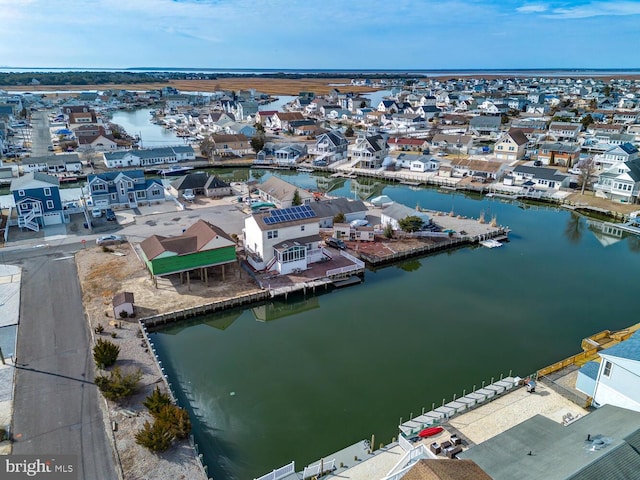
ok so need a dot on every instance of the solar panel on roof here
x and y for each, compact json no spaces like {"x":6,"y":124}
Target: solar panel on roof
{"x":289,"y":214}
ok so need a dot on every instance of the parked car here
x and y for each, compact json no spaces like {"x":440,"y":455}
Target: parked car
{"x":110,"y":240}
{"x":96,"y":212}
{"x":335,"y":243}
{"x":574,"y":171}
{"x":110,"y":215}
{"x":188,"y":195}
{"x":537,"y":163}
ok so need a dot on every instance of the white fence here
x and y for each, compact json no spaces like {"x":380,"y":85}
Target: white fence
{"x":279,"y":472}
{"x":404,"y":443}
{"x":314,"y":470}
{"x":407,"y":460}
{"x":358,"y":265}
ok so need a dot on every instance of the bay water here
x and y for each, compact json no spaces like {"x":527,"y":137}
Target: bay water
{"x":301,"y":379}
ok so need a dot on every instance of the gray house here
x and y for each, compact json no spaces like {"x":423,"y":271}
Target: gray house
{"x":484,"y":125}
{"x":123,"y":189}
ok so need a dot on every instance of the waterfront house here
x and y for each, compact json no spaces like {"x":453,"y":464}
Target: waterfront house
{"x":69,"y":162}
{"x":330,"y":147}
{"x":284,"y":240}
{"x":290,"y":154}
{"x":281,"y":193}
{"x":215,"y":187}
{"x":443,"y":469}
{"x":195,"y":182}
{"x":226,"y":145}
{"x":602,"y":444}
{"x":546,"y":178}
{"x":200,"y":247}
{"x":615,"y":379}
{"x":264,"y":117}
{"x":346,"y":231}
{"x":393,"y":213}
{"x":123,"y":189}
{"x":620,"y":182}
{"x":37,"y":199}
{"x":99,"y":143}
{"x":326,"y":210}
{"x":148,"y":157}
{"x":424,"y":163}
{"x":511,"y":146}
{"x":123,"y":305}
{"x":478,"y":170}
{"x":559,"y":153}
{"x":369,"y":151}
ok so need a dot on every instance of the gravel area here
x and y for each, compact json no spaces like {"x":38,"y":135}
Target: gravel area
{"x":102,"y":275}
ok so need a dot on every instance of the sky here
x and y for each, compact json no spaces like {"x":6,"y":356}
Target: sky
{"x":320,"y":34}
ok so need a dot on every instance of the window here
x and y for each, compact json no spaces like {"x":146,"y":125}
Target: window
{"x":607,"y":368}
{"x":98,"y":187}
{"x":21,"y":193}
{"x":129,"y":185}
{"x":155,"y":192}
{"x":302,"y":228}
{"x":141,"y":194}
{"x":272,"y":234}
{"x":47,"y":192}
{"x":293,"y":254}
{"x":50,"y":205}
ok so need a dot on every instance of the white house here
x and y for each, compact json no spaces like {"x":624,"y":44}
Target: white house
{"x":424,"y":164}
{"x":617,"y":154}
{"x":620,"y":182}
{"x":147,"y":157}
{"x":392,"y":214}
{"x":369,"y":151}
{"x":281,"y":193}
{"x":615,"y":380}
{"x":539,"y":177}
{"x":330,"y":146}
{"x":283,"y":240}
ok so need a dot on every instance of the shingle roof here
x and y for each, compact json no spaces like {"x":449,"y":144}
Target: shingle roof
{"x":541,"y":172}
{"x":590,"y":369}
{"x":193,"y":240}
{"x":191,"y":180}
{"x":629,"y":349}
{"x":330,"y":208}
{"x":122,"y":298}
{"x":518,"y":136}
{"x":33,"y":180}
{"x":445,"y":469}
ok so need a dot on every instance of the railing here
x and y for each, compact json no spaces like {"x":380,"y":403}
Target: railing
{"x":279,"y":472}
{"x":399,"y":468}
{"x":359,"y":263}
{"x":404,"y":443}
{"x":319,"y":469}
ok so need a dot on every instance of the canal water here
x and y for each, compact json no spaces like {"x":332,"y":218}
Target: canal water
{"x":300,"y":380}
{"x":138,"y":122}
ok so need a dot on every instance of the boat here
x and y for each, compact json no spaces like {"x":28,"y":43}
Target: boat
{"x":305,"y":170}
{"x":430,"y":432}
{"x":491,"y":243}
{"x":174,"y":170}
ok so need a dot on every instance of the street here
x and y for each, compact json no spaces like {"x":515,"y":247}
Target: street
{"x":56,"y":409}
{"x":40,"y":136}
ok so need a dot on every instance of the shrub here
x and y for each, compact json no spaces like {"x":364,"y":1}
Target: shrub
{"x":156,"y":401}
{"x":123,"y":314}
{"x":3,"y":435}
{"x":118,"y":385}
{"x":105,"y":353}
{"x":177,"y":419}
{"x":106,"y":249}
{"x":99,"y":328}
{"x":388,"y":230}
{"x":156,"y":437}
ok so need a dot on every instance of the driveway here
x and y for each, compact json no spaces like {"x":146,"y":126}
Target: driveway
{"x":56,"y":409}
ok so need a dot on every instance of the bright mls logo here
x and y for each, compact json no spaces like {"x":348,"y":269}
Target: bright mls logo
{"x":54,"y":467}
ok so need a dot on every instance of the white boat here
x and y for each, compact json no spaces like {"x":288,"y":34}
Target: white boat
{"x":490,"y":243}
{"x":174,"y":170}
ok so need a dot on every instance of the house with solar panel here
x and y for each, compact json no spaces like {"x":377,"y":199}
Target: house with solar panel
{"x":615,"y":379}
{"x":284,"y":240}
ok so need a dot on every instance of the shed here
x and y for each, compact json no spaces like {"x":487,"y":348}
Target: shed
{"x":123,"y":302}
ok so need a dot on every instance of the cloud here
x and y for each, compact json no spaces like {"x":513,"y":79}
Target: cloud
{"x":596,"y":9}
{"x":532,"y":8}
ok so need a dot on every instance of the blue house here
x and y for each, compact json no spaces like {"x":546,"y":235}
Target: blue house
{"x":615,"y":380}
{"x":37,"y":199}
{"x":123,"y":189}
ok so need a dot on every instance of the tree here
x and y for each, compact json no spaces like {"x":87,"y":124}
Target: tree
{"x":105,"y":353}
{"x":349,"y":131}
{"x":258,"y":141}
{"x":587,"y":120}
{"x":259,"y":127}
{"x":118,"y":385}
{"x":593,"y":104}
{"x":574,"y":228}
{"x":156,"y":401}
{"x":177,"y":419}
{"x":411,"y":223}
{"x":606,"y":90}
{"x":587,"y":169}
{"x":296,"y":198}
{"x":388,"y":230}
{"x":339,"y":218}
{"x":155,"y":436}
{"x":207,"y":147}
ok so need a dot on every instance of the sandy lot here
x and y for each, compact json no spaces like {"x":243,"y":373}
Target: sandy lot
{"x":103,"y":274}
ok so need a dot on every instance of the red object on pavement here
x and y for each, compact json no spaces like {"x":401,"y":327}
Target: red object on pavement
{"x":429,"y":432}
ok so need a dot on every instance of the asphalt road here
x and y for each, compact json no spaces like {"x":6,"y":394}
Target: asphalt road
{"x":56,"y":409}
{"x":40,"y":136}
